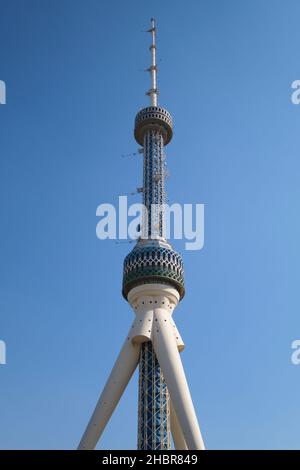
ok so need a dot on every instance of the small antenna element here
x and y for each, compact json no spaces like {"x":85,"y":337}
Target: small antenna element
{"x":153,"y":92}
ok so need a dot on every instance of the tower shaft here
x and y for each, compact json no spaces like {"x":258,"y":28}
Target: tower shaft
{"x":154,"y":185}
{"x":154,"y":403}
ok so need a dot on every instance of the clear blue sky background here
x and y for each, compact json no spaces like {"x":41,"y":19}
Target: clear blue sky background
{"x":73,"y":88}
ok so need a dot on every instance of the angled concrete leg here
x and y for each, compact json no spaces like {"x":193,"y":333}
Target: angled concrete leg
{"x":166,"y":350}
{"x":121,"y":373}
{"x":177,"y":434}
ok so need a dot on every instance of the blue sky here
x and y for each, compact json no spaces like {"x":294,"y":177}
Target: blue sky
{"x":72,"y":70}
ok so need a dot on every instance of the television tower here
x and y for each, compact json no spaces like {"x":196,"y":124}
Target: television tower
{"x":153,"y":284}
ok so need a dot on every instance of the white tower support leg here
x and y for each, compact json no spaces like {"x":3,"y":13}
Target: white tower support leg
{"x":121,"y":373}
{"x":166,"y":350}
{"x":177,"y":434}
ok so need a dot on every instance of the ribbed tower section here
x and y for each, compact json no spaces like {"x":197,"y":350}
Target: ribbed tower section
{"x":154,"y":190}
{"x":153,"y":261}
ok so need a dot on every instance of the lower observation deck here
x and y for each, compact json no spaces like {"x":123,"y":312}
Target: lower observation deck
{"x":153,"y":261}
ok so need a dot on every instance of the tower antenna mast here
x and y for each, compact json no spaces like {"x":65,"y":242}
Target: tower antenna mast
{"x":153,"y":92}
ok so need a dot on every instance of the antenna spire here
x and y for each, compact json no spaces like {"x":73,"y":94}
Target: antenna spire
{"x":153,"y":92}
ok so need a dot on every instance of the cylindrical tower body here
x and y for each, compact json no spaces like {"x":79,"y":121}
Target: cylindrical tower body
{"x":153,"y":261}
{"x":154,"y":403}
{"x":153,"y":127}
{"x":154,"y":184}
{"x":153,"y":130}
